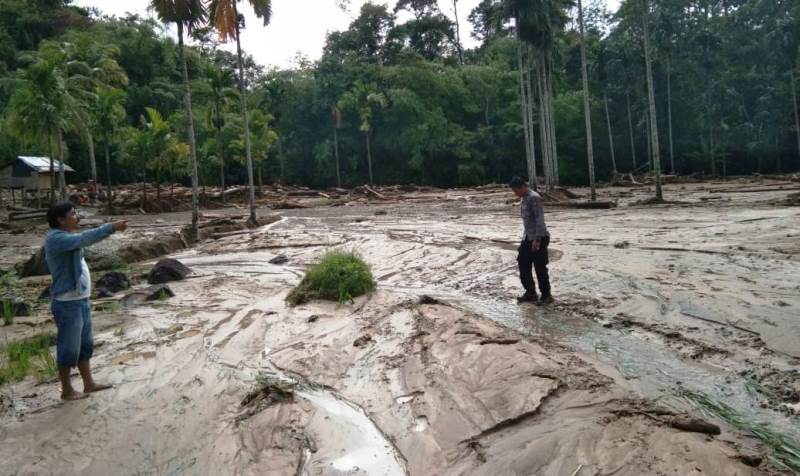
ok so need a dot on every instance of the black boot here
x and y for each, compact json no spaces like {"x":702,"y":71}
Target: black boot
{"x":529,"y":296}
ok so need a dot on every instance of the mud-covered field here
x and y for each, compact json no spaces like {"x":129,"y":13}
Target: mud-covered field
{"x":663,"y":312}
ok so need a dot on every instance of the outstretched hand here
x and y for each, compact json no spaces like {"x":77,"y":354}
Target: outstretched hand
{"x":120,"y":225}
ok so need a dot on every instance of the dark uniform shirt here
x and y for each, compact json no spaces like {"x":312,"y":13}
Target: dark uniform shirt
{"x":532,"y":208}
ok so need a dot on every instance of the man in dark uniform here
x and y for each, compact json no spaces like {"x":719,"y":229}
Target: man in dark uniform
{"x":533,"y":249}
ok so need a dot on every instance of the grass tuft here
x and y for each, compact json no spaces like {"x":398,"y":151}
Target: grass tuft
{"x":26,"y":357}
{"x":338,"y":276}
{"x":785,"y":448}
{"x":8,"y":312}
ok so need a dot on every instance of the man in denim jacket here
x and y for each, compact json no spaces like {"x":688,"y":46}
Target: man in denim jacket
{"x":69,"y":294}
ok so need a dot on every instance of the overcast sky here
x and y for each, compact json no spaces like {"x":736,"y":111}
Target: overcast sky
{"x":297,"y":25}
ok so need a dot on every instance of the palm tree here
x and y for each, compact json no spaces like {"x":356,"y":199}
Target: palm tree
{"x":364,"y":99}
{"x":224,"y":16}
{"x":96,"y":62}
{"x":186,"y":14}
{"x":38,"y":108}
{"x":220,"y":96}
{"x":108,"y":113}
{"x":537,"y":23}
{"x":155,"y":148}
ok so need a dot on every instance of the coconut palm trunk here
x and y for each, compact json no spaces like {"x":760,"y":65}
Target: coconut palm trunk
{"x":192,"y":143}
{"x":651,"y":101}
{"x":221,"y":152}
{"x":247,"y":144}
{"x":52,"y":172}
{"x":92,"y":162}
{"x":529,"y":108}
{"x":587,"y":111}
{"x":62,"y":182}
{"x":109,"y":197}
{"x":458,"y":33}
{"x":630,"y":129}
{"x":369,"y":157}
{"x":524,"y":99}
{"x":669,"y":116}
{"x":336,"y":155}
{"x":611,"y":140}
{"x":796,"y":114}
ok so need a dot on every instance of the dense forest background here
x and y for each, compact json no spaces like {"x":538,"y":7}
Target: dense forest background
{"x":426,"y":110}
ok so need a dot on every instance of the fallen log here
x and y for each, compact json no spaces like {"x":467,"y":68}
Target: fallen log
{"x":14,"y":216}
{"x":757,"y":190}
{"x":596,"y":205}
{"x":371,"y":192}
{"x":287,"y":205}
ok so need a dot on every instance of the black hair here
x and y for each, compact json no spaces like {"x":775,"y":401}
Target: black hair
{"x":517,"y":182}
{"x":59,"y":210}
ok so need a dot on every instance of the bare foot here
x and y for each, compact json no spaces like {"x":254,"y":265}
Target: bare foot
{"x":97,"y":387}
{"x":74,"y":396}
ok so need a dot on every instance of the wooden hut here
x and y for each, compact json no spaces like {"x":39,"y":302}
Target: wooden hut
{"x":30,"y":175}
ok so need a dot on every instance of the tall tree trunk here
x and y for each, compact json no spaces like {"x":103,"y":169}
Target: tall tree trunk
{"x":796,"y":114}
{"x":62,"y":182}
{"x":221,"y":152}
{"x":369,"y":158}
{"x":529,"y":109}
{"x":543,"y":133}
{"x":92,"y":162}
{"x":652,"y":101}
{"x":587,"y":111}
{"x":52,"y":171}
{"x":669,"y":115}
{"x":336,"y":155}
{"x":551,"y":120}
{"x":712,"y":152}
{"x":611,"y":140}
{"x":649,"y":141}
{"x":247,"y":146}
{"x":109,"y":197}
{"x":192,"y":143}
{"x":630,"y":129}
{"x":524,"y":98}
{"x":458,"y":34}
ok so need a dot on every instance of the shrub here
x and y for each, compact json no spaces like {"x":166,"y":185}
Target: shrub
{"x":338,"y":276}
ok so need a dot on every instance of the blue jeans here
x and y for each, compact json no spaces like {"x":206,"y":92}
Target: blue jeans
{"x":74,"y":342}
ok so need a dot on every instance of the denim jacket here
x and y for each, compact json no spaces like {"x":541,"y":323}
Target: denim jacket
{"x":64,"y":251}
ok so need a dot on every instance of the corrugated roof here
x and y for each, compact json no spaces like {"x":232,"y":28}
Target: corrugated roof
{"x":42,"y":164}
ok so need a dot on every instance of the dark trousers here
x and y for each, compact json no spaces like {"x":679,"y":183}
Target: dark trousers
{"x":527,"y":258}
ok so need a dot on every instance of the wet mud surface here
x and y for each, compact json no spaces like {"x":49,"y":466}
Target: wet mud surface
{"x":440,"y":371}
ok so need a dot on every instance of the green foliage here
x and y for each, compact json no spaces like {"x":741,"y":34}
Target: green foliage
{"x":31,"y":355}
{"x":398,"y":82}
{"x":8,"y":312}
{"x":338,"y":276}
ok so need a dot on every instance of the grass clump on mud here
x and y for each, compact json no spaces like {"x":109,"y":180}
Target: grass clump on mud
{"x":338,"y":276}
{"x":29,"y":356}
{"x":785,"y":448}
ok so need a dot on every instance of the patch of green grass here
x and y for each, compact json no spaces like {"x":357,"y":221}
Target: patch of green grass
{"x":109,"y":307}
{"x":785,"y":448}
{"x":24,"y":357}
{"x":338,"y":276}
{"x":8,"y":312}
